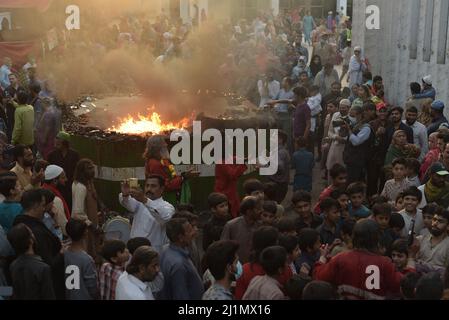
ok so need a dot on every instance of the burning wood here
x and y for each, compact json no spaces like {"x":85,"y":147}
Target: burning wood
{"x":140,"y":127}
{"x":144,"y":125}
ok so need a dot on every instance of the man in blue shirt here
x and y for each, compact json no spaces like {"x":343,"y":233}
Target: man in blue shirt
{"x":182,"y":281}
{"x":428,"y":91}
{"x":5,"y":71}
{"x":438,"y":118}
{"x":10,"y":208}
{"x":223,"y":263}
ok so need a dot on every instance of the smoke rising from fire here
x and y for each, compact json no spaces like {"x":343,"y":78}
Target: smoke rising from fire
{"x":176,"y":88}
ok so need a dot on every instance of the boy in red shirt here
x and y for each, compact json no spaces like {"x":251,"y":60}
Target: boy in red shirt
{"x":339,"y":176}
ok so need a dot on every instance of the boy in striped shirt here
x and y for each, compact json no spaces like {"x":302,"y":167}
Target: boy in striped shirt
{"x":116,"y":255}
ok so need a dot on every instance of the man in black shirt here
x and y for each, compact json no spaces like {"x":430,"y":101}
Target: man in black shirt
{"x":31,"y":276}
{"x":10,"y":95}
{"x":47,"y":245}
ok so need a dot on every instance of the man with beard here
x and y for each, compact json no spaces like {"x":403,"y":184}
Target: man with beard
{"x":47,"y":245}
{"x":66,"y":158}
{"x":334,"y":94}
{"x":324,"y":49}
{"x":419,"y":131}
{"x":436,"y":190}
{"x":23,"y":169}
{"x":31,"y":276}
{"x":326,"y":78}
{"x":332,"y":97}
{"x":55,"y":178}
{"x":158,"y":162}
{"x":395,"y":125}
{"x":142,"y":269}
{"x":241,"y":229}
{"x":85,"y":202}
{"x":337,"y":136}
{"x":151,"y":211}
{"x":181,"y":279}
{"x":357,"y":150}
{"x":433,"y":253}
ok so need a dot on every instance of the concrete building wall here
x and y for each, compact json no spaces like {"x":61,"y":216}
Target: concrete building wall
{"x":399,"y":50}
{"x":228,"y":9}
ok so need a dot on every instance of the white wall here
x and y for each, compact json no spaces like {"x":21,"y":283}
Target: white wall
{"x":344,"y":4}
{"x":6,"y":15}
{"x":185,"y":11}
{"x":388,"y":49}
{"x":275,"y":7}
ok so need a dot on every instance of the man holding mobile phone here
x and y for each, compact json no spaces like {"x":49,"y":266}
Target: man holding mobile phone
{"x":150,"y":211}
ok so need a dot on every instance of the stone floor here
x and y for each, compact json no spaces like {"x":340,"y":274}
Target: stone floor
{"x":318,"y":184}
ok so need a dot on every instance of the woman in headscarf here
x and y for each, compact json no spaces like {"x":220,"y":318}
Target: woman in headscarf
{"x":354,"y":93}
{"x":357,"y":66}
{"x":431,"y":157}
{"x":399,"y":148}
{"x":315,"y":65}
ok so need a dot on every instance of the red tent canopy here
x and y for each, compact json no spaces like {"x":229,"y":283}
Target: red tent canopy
{"x":41,"y":5}
{"x":19,"y":51}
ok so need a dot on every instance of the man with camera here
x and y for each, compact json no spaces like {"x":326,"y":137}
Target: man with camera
{"x":360,"y":140}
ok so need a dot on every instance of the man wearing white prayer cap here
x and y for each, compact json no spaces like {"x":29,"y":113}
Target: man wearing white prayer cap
{"x":55,"y":178}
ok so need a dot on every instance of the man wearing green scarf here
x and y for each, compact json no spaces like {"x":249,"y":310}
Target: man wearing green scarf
{"x":436,"y":190}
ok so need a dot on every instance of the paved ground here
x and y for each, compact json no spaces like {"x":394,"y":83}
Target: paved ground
{"x":317,"y":186}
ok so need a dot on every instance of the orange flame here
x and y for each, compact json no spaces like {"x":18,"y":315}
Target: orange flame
{"x":143,"y":125}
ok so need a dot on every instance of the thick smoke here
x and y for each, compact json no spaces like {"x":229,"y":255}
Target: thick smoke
{"x":177,"y":88}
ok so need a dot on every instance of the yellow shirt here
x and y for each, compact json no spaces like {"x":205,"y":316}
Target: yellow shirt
{"x":24,"y":176}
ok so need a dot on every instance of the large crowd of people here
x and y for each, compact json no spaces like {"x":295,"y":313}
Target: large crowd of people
{"x":379,"y":230}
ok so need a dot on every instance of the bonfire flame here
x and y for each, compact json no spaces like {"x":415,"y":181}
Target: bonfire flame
{"x":144,"y":125}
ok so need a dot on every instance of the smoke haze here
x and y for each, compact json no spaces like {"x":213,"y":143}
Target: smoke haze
{"x":87,"y":68}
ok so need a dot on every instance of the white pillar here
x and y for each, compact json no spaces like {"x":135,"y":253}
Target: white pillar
{"x":165,"y":6}
{"x":344,"y":4}
{"x":202,"y":4}
{"x":184,"y":9}
{"x":275,"y":7}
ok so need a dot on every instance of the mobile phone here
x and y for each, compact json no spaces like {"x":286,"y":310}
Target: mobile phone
{"x":133,"y":183}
